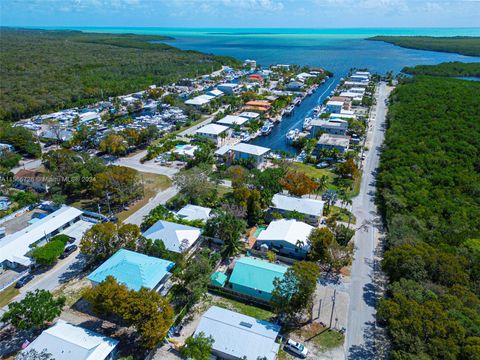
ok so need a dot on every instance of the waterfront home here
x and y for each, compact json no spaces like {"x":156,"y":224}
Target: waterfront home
{"x":15,"y":247}
{"x":199,"y":101}
{"x":286,"y":237}
{"x":343,"y":115}
{"x":194,"y":212}
{"x":134,"y":270}
{"x":244,"y":151}
{"x":294,"y":86}
{"x":229,"y":88}
{"x":214,"y":132}
{"x":255,"y":277}
{"x":328,"y":141}
{"x":252,"y":64}
{"x":347,"y":102}
{"x":232,"y":120}
{"x":239,"y":337}
{"x":176,"y":237}
{"x":65,"y":341}
{"x":249,"y":115}
{"x":334,"y":106}
{"x":352,"y":95}
{"x":351,"y":84}
{"x":260,"y":105}
{"x":215,"y":93}
{"x":330,"y":127}
{"x":311,"y":209}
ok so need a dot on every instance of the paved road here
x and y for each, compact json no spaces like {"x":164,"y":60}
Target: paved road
{"x":149,"y":166}
{"x":361,"y":331}
{"x":63,"y":271}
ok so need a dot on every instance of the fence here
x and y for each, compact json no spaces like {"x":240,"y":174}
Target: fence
{"x":232,"y":294}
{"x":283,"y":259}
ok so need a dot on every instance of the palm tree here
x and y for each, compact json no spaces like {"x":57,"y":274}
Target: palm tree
{"x":231,"y":247}
{"x":322,"y":183}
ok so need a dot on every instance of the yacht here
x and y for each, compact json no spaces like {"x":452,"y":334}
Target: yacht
{"x":289,"y":109}
{"x":292,"y":135}
{"x":266,"y":128}
{"x":246,"y":136}
{"x":307,"y":123}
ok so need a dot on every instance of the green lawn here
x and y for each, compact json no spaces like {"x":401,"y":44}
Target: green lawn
{"x":312,"y":171}
{"x":242,"y":308}
{"x":8,"y":294}
{"x":328,"y":340}
{"x":343,"y":214}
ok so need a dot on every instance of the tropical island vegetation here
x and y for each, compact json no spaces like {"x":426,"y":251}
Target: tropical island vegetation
{"x":429,"y":194}
{"x":73,"y":68}
{"x":450,"y":69}
{"x":464,"y":45}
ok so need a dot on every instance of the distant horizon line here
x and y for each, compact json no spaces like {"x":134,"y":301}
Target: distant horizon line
{"x":236,"y":28}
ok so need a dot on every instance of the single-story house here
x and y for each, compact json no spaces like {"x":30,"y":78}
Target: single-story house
{"x":288,"y":237}
{"x":255,"y":277}
{"x":176,"y":237}
{"x":213,"y":132}
{"x":249,"y":115}
{"x":294,"y":86}
{"x":249,"y":151}
{"x":14,"y":247}
{"x":58,"y":135}
{"x":218,"y":278}
{"x":334,"y":106}
{"x":237,"y":336}
{"x":328,"y":141}
{"x":352,"y":83}
{"x":232,"y":120}
{"x":352,"y":95}
{"x":229,"y":88}
{"x":194,"y":212}
{"x":185,"y":151}
{"x":329,"y":127}
{"x":134,"y":270}
{"x":65,"y":341}
{"x":199,"y":101}
{"x":311,"y":209}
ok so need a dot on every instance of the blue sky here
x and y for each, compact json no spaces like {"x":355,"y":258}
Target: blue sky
{"x":241,"y":13}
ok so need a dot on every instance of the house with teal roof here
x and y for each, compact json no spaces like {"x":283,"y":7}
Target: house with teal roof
{"x":255,"y":277}
{"x":134,"y":270}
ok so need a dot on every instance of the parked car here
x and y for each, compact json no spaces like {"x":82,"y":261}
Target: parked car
{"x":23,"y":281}
{"x":296,"y":348}
{"x":68,"y":250}
{"x":71,"y":239}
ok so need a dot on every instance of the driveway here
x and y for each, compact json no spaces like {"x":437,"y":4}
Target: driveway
{"x":362,"y":334}
{"x":149,"y":166}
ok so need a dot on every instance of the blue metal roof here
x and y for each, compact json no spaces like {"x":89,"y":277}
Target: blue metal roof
{"x":133,"y":269}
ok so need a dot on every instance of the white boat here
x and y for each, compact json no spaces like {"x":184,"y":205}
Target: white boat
{"x":266,"y":128}
{"x":292,"y":135}
{"x":289,"y":109}
{"x":246,"y":137}
{"x":307,"y":123}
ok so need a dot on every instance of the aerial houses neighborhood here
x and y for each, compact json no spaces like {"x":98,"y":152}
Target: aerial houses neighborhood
{"x":184,"y":215}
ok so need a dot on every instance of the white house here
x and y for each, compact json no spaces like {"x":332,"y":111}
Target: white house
{"x":249,"y":151}
{"x":288,"y":237}
{"x":311,"y":209}
{"x":328,"y":141}
{"x":232,"y":120}
{"x":214,"y":132}
{"x":194,"y":212}
{"x":14,"y":247}
{"x":176,"y":237}
{"x":330,"y":127}
{"x":65,"y":341}
{"x":200,"y":101}
{"x":249,"y":115}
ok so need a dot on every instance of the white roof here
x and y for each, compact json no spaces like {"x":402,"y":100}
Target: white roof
{"x":88,"y":116}
{"x":13,"y":247}
{"x":351,"y":94}
{"x":342,"y":115}
{"x":186,"y":150}
{"x":200,"y":100}
{"x":223,"y":150}
{"x":229,"y":85}
{"x":230,"y":120}
{"x":239,"y":335}
{"x":215,"y":92}
{"x":286,"y":230}
{"x":194,"y":212}
{"x":250,"y":149}
{"x":335,"y":103}
{"x":176,"y":237}
{"x":330,"y":124}
{"x":69,"y":342}
{"x":212,"y":129}
{"x":334,"y":140}
{"x":302,"y":205}
{"x":249,"y":115}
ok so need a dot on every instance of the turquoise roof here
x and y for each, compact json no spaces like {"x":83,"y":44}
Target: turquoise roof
{"x":133,"y":269}
{"x":218,"y":278}
{"x":256,"y":274}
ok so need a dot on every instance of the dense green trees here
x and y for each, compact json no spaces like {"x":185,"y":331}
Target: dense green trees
{"x":34,"y":310}
{"x":20,"y":138}
{"x":198,"y":347}
{"x":465,"y":45}
{"x":72,"y":68}
{"x":454,"y":68}
{"x":49,"y":253}
{"x":227,"y":227}
{"x":145,"y":309}
{"x":429,"y":194}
